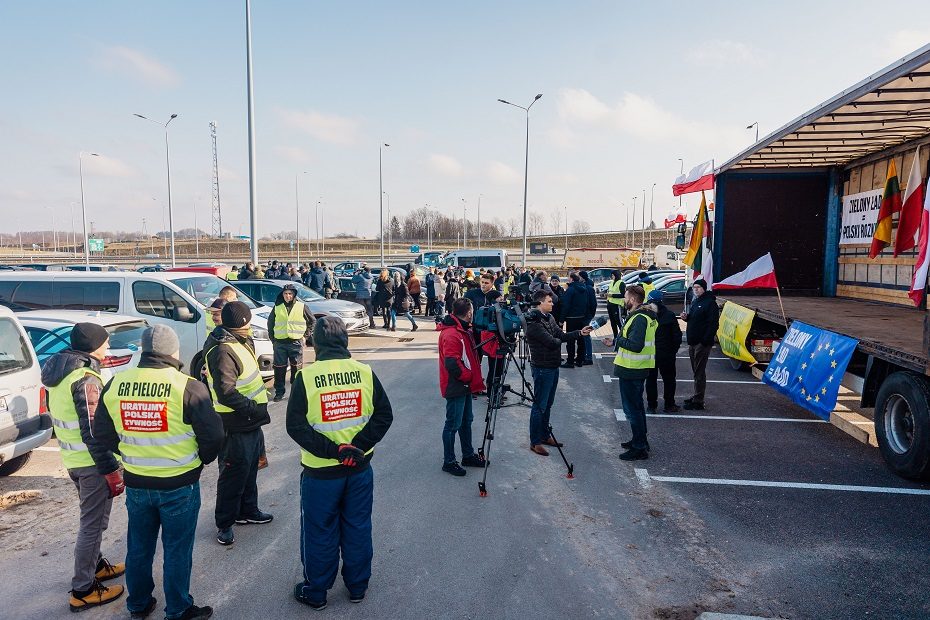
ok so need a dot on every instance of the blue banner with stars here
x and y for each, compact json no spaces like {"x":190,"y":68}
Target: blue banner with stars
{"x":809,"y":365}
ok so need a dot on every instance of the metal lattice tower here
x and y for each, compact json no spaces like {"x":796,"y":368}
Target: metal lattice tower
{"x":217,"y":216}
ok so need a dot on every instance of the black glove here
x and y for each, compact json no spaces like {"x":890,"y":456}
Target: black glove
{"x":349,"y":455}
{"x":309,"y":342}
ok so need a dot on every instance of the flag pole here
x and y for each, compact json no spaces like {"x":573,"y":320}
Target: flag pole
{"x":783,"y":315}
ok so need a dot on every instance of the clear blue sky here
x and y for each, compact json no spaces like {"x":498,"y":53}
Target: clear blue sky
{"x":628,"y":89}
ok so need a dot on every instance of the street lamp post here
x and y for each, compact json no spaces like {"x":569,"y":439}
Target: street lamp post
{"x":644,"y":220}
{"x":297,"y":214}
{"x":633,"y":218}
{"x":316,"y":225}
{"x":168,"y":168}
{"x":652,"y":196}
{"x":83,"y":208}
{"x":566,"y":228}
{"x":479,"y":221}
{"x":526,"y":163}
{"x":196,"y":232}
{"x":322,"y":232}
{"x":756,"y":125}
{"x":464,"y":223}
{"x":253,"y":190}
{"x":381,"y":196}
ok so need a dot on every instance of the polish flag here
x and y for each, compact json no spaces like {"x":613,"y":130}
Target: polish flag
{"x":759,"y":274}
{"x":909,"y":220}
{"x":919,"y":283}
{"x":700,"y":178}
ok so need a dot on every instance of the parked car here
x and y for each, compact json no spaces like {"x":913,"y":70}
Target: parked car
{"x":15,"y":268}
{"x":24,"y":420}
{"x":44,"y":266}
{"x":93,"y":267}
{"x":50,"y":332}
{"x":266,"y":292}
{"x":152,"y":269}
{"x":347,"y":290}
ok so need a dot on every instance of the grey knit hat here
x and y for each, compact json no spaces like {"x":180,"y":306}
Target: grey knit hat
{"x":160,"y":339}
{"x":330,"y":332}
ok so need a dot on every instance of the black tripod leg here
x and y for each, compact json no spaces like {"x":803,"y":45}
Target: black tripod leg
{"x":495,"y":396}
{"x":570,"y":466}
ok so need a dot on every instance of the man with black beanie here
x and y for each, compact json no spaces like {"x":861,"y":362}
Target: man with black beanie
{"x":239,"y":396}
{"x":703,"y":317}
{"x":337,"y":412}
{"x":289,"y":324}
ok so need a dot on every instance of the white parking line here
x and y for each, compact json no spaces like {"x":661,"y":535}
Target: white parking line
{"x":601,"y":356}
{"x":621,"y":417}
{"x":645,"y":478}
{"x":608,"y":379}
{"x":48,"y":449}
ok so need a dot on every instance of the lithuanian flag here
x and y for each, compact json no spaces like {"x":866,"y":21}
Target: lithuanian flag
{"x":891,"y":204}
{"x":695,"y":248}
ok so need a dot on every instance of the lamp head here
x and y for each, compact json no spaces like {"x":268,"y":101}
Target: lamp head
{"x":538,"y":97}
{"x":174,"y":116}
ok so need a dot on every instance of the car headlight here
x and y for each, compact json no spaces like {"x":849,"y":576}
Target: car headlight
{"x":259,"y":334}
{"x":345,"y":314}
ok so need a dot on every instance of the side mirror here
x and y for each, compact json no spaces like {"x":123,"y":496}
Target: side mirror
{"x":680,"y":241}
{"x":182,"y":314}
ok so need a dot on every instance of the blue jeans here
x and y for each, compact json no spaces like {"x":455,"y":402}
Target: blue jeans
{"x":545,"y":381}
{"x":406,"y":314}
{"x":336,"y":515}
{"x":459,"y":417}
{"x":588,"y":350}
{"x":631,"y":397}
{"x":175,"y":513}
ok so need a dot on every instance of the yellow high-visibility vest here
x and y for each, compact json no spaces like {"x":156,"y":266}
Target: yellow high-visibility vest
{"x":74,"y":452}
{"x":614,"y":289}
{"x":147,"y":407}
{"x":339,"y":402}
{"x":645,"y":358}
{"x":289,"y":324}
{"x":249,"y":383}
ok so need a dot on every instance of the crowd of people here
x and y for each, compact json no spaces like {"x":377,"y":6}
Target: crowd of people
{"x":318,"y":275}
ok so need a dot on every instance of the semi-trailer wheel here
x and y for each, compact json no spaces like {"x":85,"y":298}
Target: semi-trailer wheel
{"x":902,"y":424}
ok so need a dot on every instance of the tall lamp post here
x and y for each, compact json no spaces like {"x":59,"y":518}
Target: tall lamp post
{"x":464,"y":223}
{"x":566,"y":229}
{"x":633,"y":218}
{"x":652,"y":197}
{"x":83,"y":208}
{"x":479,"y":221}
{"x":381,"y":196}
{"x":644,"y":220}
{"x":389,"y":222}
{"x":756,"y":125}
{"x":168,"y":168}
{"x":526,"y":163}
{"x":297,"y":214}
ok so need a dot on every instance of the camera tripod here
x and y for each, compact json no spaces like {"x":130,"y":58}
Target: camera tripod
{"x":495,"y":401}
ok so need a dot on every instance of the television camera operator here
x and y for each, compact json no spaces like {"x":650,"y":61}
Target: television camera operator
{"x":545,"y":338}
{"x":480,"y":297}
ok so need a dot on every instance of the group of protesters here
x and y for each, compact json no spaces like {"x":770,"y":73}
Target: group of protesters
{"x":317,"y":275}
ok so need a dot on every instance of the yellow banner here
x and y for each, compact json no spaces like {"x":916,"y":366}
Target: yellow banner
{"x":735,"y":322}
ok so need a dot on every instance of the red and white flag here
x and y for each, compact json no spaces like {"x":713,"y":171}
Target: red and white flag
{"x":919,"y":282}
{"x":700,"y":178}
{"x":759,"y":274}
{"x":909,"y":220}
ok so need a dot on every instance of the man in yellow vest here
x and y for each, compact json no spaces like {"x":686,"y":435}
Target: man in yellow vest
{"x":162,"y":423}
{"x":74,"y":385}
{"x":616,"y":298}
{"x":289,"y":324}
{"x":214,"y":312}
{"x":636,"y":355}
{"x":337,"y":412}
{"x":239,"y":396}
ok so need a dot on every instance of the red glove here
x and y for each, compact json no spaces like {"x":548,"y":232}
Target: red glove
{"x":349,"y":455}
{"x":115,"y":482}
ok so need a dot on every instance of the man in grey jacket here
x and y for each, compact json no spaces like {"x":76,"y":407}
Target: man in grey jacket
{"x":362,"y":281}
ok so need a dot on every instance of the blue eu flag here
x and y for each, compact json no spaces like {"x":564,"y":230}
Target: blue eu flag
{"x":809,"y":365}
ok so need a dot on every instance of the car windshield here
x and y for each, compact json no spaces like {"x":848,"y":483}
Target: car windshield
{"x":205,"y":289}
{"x":14,"y":352}
{"x":126,"y":335}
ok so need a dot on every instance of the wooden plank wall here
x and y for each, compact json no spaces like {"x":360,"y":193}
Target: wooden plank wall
{"x":883,"y":278}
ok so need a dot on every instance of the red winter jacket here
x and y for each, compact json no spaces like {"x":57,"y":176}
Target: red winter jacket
{"x":459,"y":370}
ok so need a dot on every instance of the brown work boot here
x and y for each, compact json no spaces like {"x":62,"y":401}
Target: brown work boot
{"x":106,"y":571}
{"x":538,"y":449}
{"x":99,"y":594}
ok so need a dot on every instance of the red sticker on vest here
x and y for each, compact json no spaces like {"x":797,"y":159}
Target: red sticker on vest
{"x":144,"y":416}
{"x":341,"y":405}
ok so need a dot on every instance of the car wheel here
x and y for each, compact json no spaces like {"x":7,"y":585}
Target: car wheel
{"x":902,"y":424}
{"x":739,"y":365}
{"x":15,"y":464}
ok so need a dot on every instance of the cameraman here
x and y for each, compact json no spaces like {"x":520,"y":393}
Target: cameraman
{"x":484,"y":295}
{"x":545,"y":338}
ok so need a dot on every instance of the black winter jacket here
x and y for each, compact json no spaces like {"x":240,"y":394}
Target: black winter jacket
{"x":575,"y":302}
{"x":545,"y":338}
{"x":309,"y":319}
{"x":703,"y":319}
{"x":635,"y":340}
{"x":198,"y":413}
{"x":668,"y":334}
{"x":300,"y":430}
{"x":225,"y":368}
{"x":317,"y":279}
{"x":86,"y":395}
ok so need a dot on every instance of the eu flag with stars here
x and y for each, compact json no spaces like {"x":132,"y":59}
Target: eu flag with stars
{"x":809,"y":365}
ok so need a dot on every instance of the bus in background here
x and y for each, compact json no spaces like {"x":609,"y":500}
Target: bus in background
{"x":429,"y":259}
{"x":476,"y":259}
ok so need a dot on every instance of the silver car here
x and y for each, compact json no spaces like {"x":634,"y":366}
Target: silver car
{"x":266,"y":293}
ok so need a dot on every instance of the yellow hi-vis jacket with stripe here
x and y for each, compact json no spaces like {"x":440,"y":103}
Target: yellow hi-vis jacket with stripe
{"x":147,"y":408}
{"x":648,"y":286}
{"x":289,"y":325}
{"x":647,"y":357}
{"x":208,"y":319}
{"x":339,"y":402}
{"x":249,"y":383}
{"x":614,"y":289}
{"x":74,"y":452}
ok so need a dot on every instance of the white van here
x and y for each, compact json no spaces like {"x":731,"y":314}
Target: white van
{"x":668,"y":257}
{"x":24,"y":423}
{"x":476,"y":259}
{"x":174,"y":298}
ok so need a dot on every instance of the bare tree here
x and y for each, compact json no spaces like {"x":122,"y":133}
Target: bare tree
{"x":534,"y":223}
{"x":555,"y":222}
{"x":580,"y":226}
{"x":513,"y":227}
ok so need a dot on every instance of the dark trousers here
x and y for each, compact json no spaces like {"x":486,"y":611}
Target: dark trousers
{"x":459,"y":417}
{"x":430,"y":304}
{"x":545,"y":381}
{"x":335,"y":516}
{"x":175,"y":513}
{"x":699,"y":354}
{"x":286,"y":352}
{"x":94,"y":495}
{"x":369,"y":309}
{"x":667,"y":369}
{"x":386,"y":315}
{"x":236,"y":487}
{"x":495,"y":371}
{"x":416,"y":302}
{"x":631,"y":398}
{"x":613,"y":313}
{"x":575,"y":346}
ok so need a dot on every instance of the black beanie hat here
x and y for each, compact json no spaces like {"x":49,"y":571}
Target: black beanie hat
{"x":87,"y":337}
{"x":236,"y":314}
{"x":701,"y":282}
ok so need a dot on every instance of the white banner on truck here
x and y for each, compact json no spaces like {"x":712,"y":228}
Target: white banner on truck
{"x":860,"y":213}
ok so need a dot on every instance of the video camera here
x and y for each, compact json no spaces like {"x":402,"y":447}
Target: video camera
{"x":506,"y":318}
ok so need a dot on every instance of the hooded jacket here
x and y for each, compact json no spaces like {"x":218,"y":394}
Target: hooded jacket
{"x":247,"y":415}
{"x":545,"y":338}
{"x":459,"y":369}
{"x":668,"y":334}
{"x":635,"y":339}
{"x":453,"y":291}
{"x":362,"y":283}
{"x":575,"y":302}
{"x":299,"y":429}
{"x":198,"y":413}
{"x":384,"y":292}
{"x":317,"y":279}
{"x":308,"y":318}
{"x":86,"y":396}
{"x":703,"y":319}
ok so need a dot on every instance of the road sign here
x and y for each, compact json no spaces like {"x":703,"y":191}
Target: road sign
{"x":95,"y":245}
{"x":414,"y":249}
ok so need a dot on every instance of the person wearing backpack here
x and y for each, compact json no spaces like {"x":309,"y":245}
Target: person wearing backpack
{"x":668,"y":340}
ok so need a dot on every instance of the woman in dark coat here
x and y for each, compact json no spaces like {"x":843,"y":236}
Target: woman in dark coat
{"x":384,"y":296}
{"x":402,"y":303}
